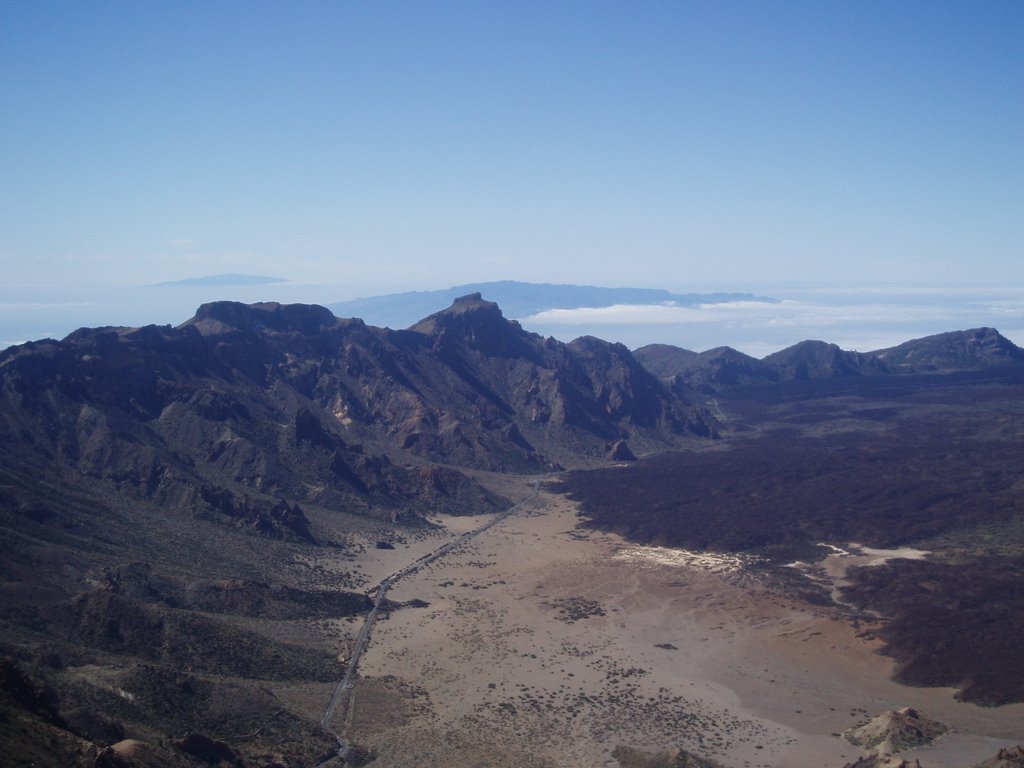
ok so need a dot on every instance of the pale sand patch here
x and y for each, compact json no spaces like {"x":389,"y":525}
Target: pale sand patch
{"x":884,"y":555}
{"x":839,"y":563}
{"x":831,"y":572}
{"x":548,"y":645}
{"x":706,"y":561}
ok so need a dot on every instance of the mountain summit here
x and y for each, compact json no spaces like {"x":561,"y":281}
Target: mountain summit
{"x":478,"y":323}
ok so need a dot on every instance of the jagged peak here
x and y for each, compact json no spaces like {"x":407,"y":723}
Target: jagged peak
{"x":472,"y":307}
{"x":895,"y":731}
{"x":480,"y":325}
{"x":471,"y":316}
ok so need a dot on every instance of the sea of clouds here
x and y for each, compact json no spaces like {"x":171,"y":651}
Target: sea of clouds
{"x":856,"y":319}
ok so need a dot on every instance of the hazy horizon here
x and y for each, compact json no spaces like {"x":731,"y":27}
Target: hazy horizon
{"x":384,"y":146}
{"x":860,"y":317}
{"x":361,"y":149}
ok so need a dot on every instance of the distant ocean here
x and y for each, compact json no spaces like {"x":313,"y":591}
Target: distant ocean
{"x":854,"y":317}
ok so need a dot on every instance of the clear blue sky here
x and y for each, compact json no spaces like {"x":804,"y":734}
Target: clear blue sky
{"x":410,"y":145}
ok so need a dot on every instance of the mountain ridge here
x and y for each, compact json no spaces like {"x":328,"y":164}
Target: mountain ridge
{"x":288,"y":405}
{"x":723,"y":367}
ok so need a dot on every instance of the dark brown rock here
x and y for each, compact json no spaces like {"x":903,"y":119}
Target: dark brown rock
{"x":619,"y":451}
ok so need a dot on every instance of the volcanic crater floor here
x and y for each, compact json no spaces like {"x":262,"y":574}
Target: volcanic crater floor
{"x":543,"y":643}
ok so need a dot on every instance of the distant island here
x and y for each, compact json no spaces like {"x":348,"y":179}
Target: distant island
{"x":230,"y":279}
{"x":519,"y":300}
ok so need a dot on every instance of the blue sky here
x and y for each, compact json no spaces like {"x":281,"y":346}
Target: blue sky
{"x":392,"y":146}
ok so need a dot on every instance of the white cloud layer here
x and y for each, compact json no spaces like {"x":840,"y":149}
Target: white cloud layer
{"x":759,"y":328}
{"x":784,"y":313}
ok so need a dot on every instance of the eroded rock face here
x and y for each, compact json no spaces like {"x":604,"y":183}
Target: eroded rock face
{"x":546,"y":397}
{"x":247,"y":413}
{"x":895,"y":731}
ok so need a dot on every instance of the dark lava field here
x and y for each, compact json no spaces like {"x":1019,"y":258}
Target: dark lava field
{"x":928,"y":461}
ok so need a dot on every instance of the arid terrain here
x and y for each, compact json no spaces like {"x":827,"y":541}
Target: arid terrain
{"x":546,"y":644}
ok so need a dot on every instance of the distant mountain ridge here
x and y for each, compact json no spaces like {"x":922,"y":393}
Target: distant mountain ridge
{"x":518,"y":300}
{"x":818,"y":359}
{"x":974,"y":349}
{"x":957,"y":350}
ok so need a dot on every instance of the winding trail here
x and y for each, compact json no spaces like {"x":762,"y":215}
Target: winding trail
{"x":718,"y":410}
{"x":721,"y":415}
{"x":342,"y":694}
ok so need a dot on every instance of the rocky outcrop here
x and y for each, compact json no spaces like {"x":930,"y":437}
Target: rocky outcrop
{"x":1006,"y":758}
{"x":895,"y":731}
{"x":619,"y":451}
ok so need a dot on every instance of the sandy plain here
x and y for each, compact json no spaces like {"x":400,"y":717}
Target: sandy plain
{"x":546,"y":644}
